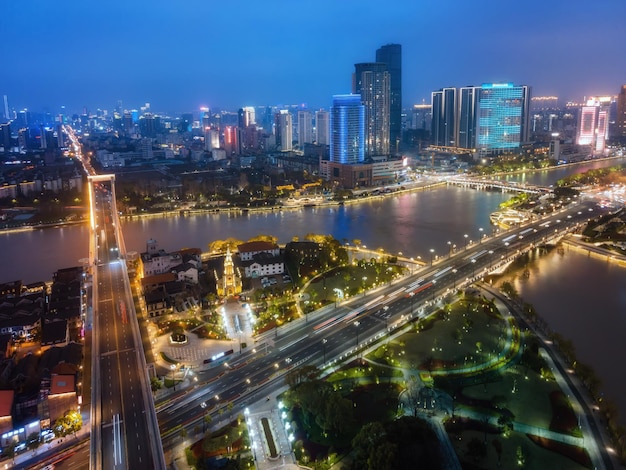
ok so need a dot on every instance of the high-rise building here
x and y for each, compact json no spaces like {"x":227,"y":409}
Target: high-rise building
{"x":372,"y":82}
{"x":211,"y":139}
{"x":6,"y":108}
{"x":444,"y":117}
{"x":421,"y":117}
{"x":246,"y":117}
{"x":305,"y":128}
{"x":286,"y":130}
{"x":391,"y":54}
{"x":347,"y":129}
{"x":620,"y":118}
{"x":466,"y":124}
{"x":5,"y":136}
{"x":322,"y":127}
{"x":502,"y":123}
{"x":593,"y":128}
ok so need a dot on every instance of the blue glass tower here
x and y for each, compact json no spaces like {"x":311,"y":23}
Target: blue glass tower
{"x":502,"y":117}
{"x":347,"y":129}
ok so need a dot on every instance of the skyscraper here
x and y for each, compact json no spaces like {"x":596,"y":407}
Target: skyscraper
{"x":620,"y":118}
{"x":391,"y":54}
{"x":372,"y":82}
{"x":6,"y":108}
{"x":305,"y":128}
{"x":286,"y":130}
{"x":322,"y":127}
{"x":347,"y":129}
{"x":593,"y":128}
{"x":444,"y":117}
{"x":468,"y":108}
{"x":503,"y":117}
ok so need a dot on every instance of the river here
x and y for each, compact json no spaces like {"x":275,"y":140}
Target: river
{"x":582,"y":298}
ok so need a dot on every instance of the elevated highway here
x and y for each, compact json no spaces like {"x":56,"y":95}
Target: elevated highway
{"x":124,"y":430}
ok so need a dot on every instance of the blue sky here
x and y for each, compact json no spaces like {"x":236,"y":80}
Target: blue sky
{"x":182,"y":54}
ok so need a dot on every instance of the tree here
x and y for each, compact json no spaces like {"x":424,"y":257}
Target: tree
{"x":476,"y":449}
{"x":70,"y":422}
{"x":32,"y":441}
{"x":155,"y":384}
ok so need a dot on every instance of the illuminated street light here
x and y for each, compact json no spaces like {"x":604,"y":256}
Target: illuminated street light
{"x":432,"y":251}
{"x":356,"y":324}
{"x":324,"y":341}
{"x":465,"y":236}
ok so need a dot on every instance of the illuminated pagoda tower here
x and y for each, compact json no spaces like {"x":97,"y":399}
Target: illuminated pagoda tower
{"x":230,"y":282}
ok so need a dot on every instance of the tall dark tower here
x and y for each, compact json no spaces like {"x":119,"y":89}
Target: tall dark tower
{"x":371,"y":81}
{"x":391,"y":54}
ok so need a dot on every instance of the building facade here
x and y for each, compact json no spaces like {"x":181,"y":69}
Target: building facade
{"x":503,"y":118}
{"x":347,"y":129}
{"x":322,"y":127}
{"x":444,"y":117}
{"x":391,"y":55}
{"x":593,"y":127}
{"x":305,"y":128}
{"x":373,"y":82}
{"x":620,"y":118}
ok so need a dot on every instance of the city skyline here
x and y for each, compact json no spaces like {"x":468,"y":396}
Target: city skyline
{"x":180,"y":57}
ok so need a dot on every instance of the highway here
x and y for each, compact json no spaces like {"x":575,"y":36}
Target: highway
{"x":334,"y":334}
{"x":124,"y":407}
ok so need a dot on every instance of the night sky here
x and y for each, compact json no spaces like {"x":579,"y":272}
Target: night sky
{"x":182,"y":54}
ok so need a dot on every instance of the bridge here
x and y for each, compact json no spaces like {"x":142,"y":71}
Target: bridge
{"x":504,"y":186}
{"x":124,"y":428}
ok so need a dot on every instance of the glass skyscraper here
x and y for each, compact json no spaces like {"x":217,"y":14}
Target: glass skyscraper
{"x":372,"y":81}
{"x":347,"y":129}
{"x":444,"y":117}
{"x":502,"y":117}
{"x":391,"y":54}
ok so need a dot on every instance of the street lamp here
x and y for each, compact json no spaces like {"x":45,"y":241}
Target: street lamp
{"x":490,"y":258}
{"x":480,"y":239}
{"x":449,"y":249}
{"x":506,"y":250}
{"x":454,"y":271}
{"x":433,"y":297}
{"x":473,"y":267}
{"x":324,"y":341}
{"x":356,"y":324}
{"x":465,"y":236}
{"x":411,"y":295}
{"x":432,"y":251}
{"x":203,"y":405}
{"x":364,"y":279}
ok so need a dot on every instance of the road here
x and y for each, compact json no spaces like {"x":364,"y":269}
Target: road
{"x":123,"y":423}
{"x":336,"y":333}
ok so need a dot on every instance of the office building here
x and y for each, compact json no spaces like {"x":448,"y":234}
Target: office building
{"x":620,"y":118}
{"x":305,"y":128}
{"x":373,"y":83}
{"x":7,"y":115}
{"x":466,"y":124}
{"x":593,"y":128}
{"x":502,"y":123}
{"x":347,"y":129}
{"x":322,"y":127}
{"x":444,"y":117}
{"x":391,"y":55}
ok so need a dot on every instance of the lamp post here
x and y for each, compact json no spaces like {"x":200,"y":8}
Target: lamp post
{"x":490,"y":258}
{"x":203,"y":405}
{"x":324,"y":341}
{"x":433,"y":297}
{"x":412,"y":294}
{"x":454,"y":271}
{"x":506,"y":250}
{"x":473,"y":267}
{"x":356,"y":324}
{"x":449,"y":249}
{"x":480,"y":239}
{"x":364,"y":279}
{"x":432,"y":251}
{"x":465,"y":236}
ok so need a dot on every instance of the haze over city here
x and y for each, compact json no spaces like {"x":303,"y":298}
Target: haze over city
{"x":180,"y":56}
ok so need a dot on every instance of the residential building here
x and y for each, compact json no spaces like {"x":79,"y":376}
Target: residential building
{"x":305,"y":128}
{"x":286,"y":130}
{"x":322,"y":127}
